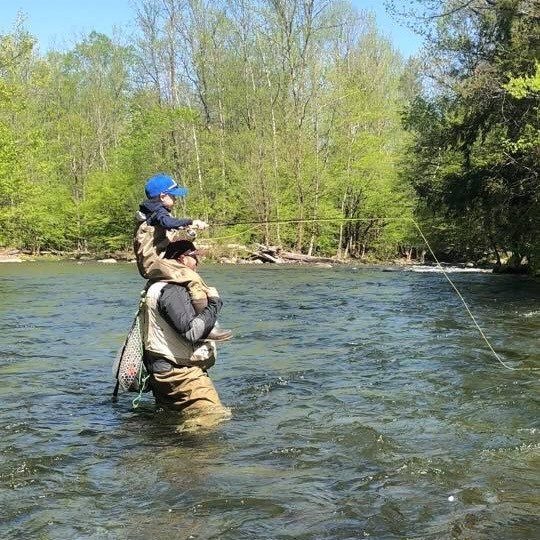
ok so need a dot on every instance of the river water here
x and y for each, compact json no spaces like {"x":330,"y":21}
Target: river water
{"x":363,"y":402}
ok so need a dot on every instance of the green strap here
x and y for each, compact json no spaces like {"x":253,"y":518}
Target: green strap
{"x":142,"y":379}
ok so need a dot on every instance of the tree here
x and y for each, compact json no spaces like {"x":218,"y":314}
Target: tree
{"x":476,"y":131}
{"x":265,"y":109}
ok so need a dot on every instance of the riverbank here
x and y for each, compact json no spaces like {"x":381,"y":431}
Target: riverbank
{"x":10,"y":256}
{"x":235,"y":254}
{"x":259,"y":254}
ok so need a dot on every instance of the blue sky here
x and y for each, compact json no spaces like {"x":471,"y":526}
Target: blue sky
{"x":61,"y":22}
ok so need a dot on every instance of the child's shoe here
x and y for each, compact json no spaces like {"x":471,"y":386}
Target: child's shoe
{"x":219,"y":334}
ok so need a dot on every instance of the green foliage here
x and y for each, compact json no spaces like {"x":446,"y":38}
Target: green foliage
{"x":108,"y":210}
{"x":265,"y":111}
{"x":476,"y":134}
{"x":525,"y":86}
{"x":276,"y":111}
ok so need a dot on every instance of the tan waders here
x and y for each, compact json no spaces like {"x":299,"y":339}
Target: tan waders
{"x":186,"y":389}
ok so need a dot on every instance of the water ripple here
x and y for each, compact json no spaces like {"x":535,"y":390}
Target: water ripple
{"x":364,"y":405}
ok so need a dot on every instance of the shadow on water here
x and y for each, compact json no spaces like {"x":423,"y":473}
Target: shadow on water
{"x":363,"y":404}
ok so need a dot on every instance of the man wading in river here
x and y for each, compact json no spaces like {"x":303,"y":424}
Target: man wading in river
{"x":176,"y":355}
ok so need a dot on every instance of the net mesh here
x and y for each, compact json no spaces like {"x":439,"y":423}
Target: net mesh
{"x":130,"y":359}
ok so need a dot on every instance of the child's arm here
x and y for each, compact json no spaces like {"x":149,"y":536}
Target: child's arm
{"x":162,"y":217}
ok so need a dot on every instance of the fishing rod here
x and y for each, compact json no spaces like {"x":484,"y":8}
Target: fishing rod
{"x":303,"y":220}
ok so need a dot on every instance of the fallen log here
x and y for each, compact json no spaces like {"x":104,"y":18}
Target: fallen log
{"x":289,"y":255}
{"x":276,"y":255}
{"x":266,"y":257}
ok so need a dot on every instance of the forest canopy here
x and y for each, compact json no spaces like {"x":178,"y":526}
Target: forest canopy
{"x":277,"y":110}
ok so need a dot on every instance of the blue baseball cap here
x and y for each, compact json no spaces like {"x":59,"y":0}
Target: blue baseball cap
{"x":161,"y":183}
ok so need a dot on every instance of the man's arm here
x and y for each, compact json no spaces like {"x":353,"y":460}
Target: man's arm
{"x":175,"y":307}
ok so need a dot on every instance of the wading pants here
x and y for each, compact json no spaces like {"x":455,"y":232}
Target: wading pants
{"x":186,"y":389}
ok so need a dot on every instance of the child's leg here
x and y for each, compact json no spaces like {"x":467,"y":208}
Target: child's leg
{"x":199,"y":300}
{"x":197,"y":292}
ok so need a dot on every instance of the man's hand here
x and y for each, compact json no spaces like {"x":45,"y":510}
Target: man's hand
{"x":212,"y":292}
{"x":213,"y":298}
{"x":199,"y":224}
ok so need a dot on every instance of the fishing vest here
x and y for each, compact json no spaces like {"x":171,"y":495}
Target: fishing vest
{"x":162,"y":340}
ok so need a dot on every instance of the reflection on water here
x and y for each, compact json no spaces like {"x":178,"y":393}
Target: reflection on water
{"x":364,"y":404}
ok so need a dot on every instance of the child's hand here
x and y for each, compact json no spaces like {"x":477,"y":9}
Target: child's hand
{"x":199,"y":224}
